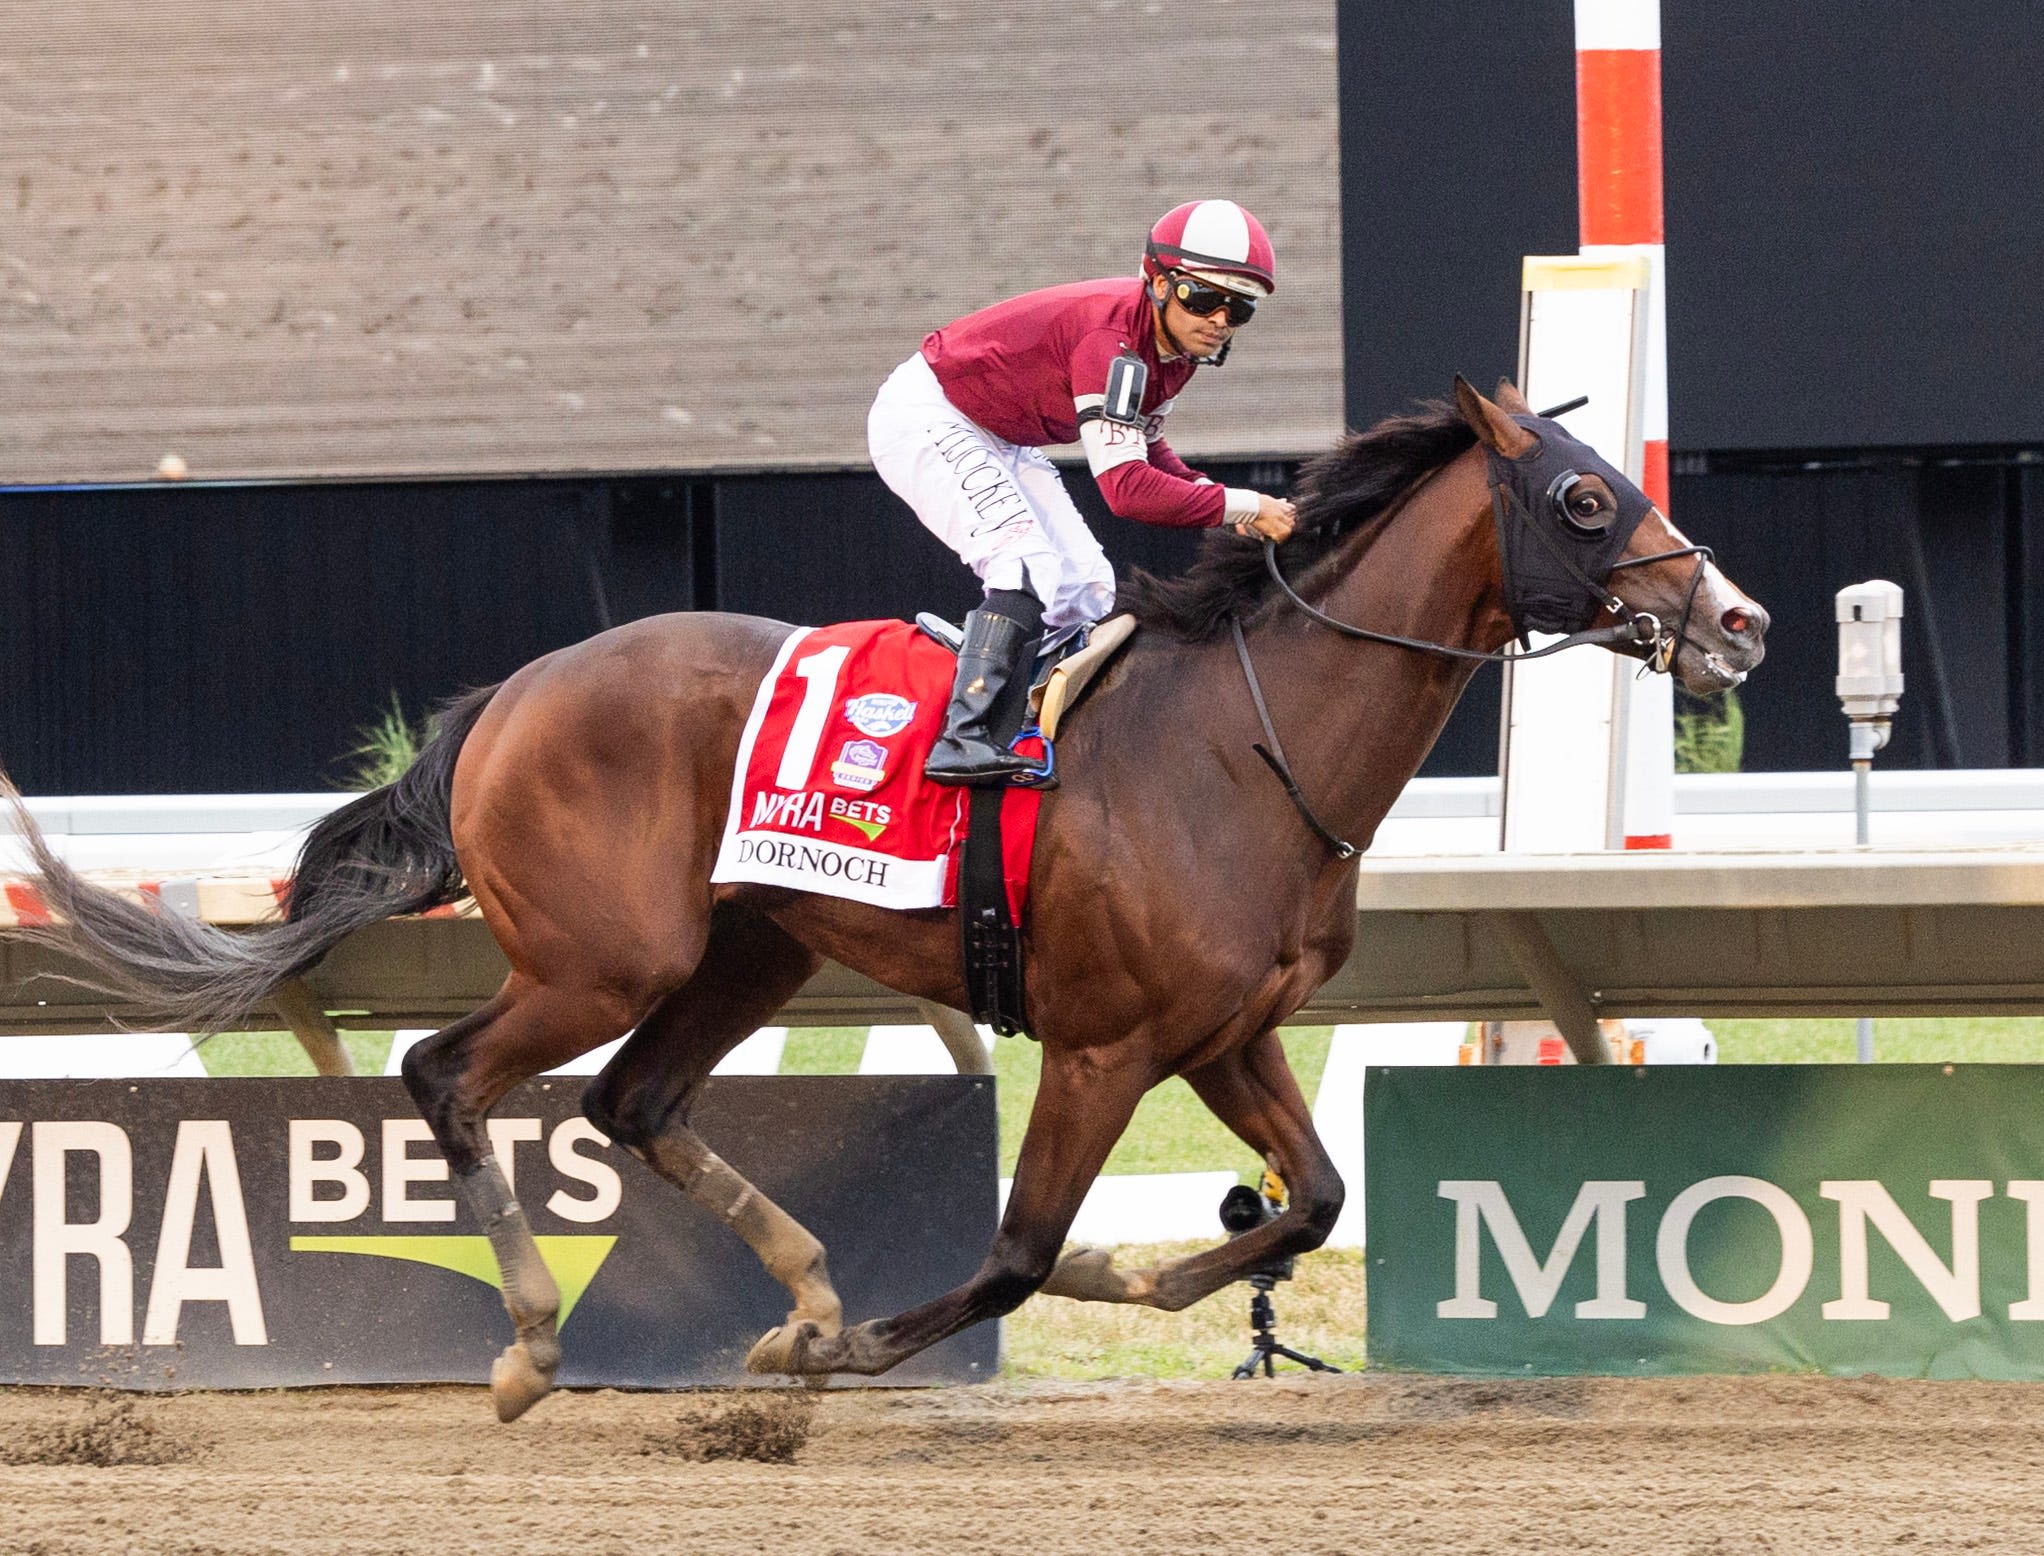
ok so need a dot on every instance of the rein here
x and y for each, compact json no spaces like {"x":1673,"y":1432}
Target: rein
{"x":1642,"y":631}
{"x":1274,"y":753}
{"x":1630,"y":631}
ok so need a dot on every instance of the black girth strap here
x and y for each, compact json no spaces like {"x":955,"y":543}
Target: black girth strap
{"x":1274,"y":753}
{"x":989,"y":938}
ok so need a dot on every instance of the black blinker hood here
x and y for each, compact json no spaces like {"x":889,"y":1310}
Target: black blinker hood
{"x":1554,"y":573}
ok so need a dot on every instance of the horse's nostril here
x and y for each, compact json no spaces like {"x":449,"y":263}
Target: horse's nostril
{"x":1736,"y":620}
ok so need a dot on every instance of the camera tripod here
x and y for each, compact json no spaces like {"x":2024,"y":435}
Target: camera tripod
{"x":1263,"y":1321}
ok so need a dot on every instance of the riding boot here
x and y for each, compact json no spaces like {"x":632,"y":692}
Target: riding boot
{"x":994,"y":648}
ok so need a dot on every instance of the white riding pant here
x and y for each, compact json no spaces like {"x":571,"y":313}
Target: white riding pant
{"x":1001,"y":506}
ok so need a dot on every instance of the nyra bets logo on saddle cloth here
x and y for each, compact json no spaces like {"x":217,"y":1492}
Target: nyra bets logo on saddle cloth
{"x":880,"y":714}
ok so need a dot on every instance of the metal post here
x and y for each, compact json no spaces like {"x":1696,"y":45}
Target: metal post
{"x":1862,"y":786}
{"x":1869,"y":690}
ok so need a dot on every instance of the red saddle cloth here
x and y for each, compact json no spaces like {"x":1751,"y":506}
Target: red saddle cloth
{"x":828,"y":794}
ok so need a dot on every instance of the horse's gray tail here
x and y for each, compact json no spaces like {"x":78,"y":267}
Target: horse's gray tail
{"x":389,"y":852}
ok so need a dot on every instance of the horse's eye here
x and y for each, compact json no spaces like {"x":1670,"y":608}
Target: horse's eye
{"x":1585,"y":505}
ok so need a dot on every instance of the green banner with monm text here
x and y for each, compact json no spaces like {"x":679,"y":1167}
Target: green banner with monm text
{"x":1831,"y":1218}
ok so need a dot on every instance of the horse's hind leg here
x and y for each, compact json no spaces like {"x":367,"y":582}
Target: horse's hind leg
{"x":749,"y":969}
{"x":455,"y":1077}
{"x":1081,"y":1108}
{"x":1253,"y":1092}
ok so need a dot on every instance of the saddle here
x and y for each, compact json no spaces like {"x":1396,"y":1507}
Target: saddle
{"x":1066,"y":664}
{"x":990,"y":939}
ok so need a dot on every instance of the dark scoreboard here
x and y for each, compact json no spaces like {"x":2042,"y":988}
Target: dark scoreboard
{"x":1855,"y":233}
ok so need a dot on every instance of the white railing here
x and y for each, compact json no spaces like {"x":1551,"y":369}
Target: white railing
{"x":168,"y":834}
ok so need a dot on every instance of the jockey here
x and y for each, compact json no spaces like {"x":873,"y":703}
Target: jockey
{"x":958,"y":432}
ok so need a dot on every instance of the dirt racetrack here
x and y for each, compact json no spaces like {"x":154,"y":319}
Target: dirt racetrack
{"x":1349,"y":1464}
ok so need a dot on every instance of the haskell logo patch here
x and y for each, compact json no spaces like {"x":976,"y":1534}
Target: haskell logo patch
{"x":860,"y":765}
{"x":880,"y":714}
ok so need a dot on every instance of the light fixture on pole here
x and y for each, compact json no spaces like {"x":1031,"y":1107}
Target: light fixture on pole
{"x":1870,"y":690}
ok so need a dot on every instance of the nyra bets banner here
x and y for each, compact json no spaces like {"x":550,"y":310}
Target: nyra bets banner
{"x":1721,"y":1218}
{"x":264,"y":1233}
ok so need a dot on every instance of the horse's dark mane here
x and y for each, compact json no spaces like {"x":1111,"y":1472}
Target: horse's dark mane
{"x":1337,"y":491}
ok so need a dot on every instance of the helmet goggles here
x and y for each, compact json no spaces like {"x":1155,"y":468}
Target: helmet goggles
{"x":1202,"y":299}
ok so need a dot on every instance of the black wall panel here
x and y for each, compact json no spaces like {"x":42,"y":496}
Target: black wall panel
{"x":195,"y":639}
{"x":2025,"y":495}
{"x":1457,"y":158}
{"x":1853,"y":226}
{"x":202,"y":639}
{"x":1795,"y":536}
{"x":841,"y":547}
{"x":1854,"y":229}
{"x":192,"y":639}
{"x":821,"y":548}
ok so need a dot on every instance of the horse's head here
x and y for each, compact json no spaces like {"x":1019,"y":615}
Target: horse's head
{"x":1581,"y":544}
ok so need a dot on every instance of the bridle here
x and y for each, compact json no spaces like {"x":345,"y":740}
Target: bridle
{"x":1517,"y":525}
{"x":1556,"y":579}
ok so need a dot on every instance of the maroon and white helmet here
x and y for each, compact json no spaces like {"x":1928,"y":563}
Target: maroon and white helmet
{"x":1217,"y":241}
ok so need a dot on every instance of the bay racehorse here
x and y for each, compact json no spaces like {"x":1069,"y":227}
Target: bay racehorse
{"x":1184,"y":901}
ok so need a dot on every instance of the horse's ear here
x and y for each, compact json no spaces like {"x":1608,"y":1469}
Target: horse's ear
{"x":1492,"y":424}
{"x":1509,"y":397}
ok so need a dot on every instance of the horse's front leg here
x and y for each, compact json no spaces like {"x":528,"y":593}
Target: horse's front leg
{"x":1083,"y":1103}
{"x":1253,"y":1092}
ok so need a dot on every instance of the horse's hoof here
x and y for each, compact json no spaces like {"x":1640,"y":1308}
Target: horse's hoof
{"x":784,"y":1348}
{"x":826,"y":1321}
{"x":516,"y":1384}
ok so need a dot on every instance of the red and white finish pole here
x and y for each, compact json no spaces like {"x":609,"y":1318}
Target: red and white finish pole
{"x":1618,"y":180}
